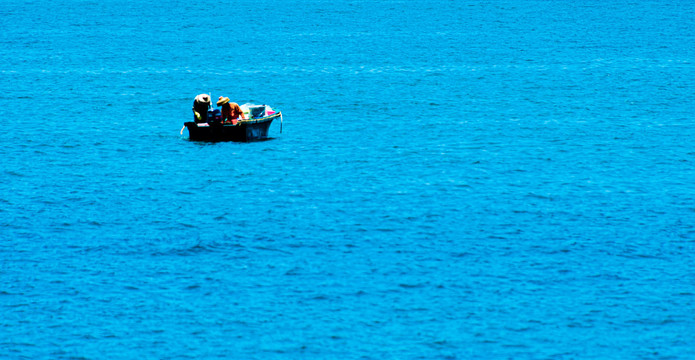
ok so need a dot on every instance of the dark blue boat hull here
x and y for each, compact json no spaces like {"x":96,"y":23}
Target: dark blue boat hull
{"x":244,"y":131}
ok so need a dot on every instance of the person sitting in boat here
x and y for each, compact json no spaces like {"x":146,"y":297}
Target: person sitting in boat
{"x":231,"y":111}
{"x":201,"y":104}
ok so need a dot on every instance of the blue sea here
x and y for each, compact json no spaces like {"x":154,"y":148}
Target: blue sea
{"x":452,"y":179}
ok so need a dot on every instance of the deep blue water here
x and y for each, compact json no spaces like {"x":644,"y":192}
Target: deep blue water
{"x":453,"y":180}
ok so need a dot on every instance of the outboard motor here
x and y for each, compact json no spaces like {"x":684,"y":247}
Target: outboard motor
{"x":214,"y":115}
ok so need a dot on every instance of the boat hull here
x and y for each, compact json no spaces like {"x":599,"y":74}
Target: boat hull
{"x":243,"y":131}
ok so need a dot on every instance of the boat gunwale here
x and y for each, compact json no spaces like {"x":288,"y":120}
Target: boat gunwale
{"x":239,"y":121}
{"x":254,"y":121}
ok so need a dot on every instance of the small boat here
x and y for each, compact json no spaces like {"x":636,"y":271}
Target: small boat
{"x":242,"y":130}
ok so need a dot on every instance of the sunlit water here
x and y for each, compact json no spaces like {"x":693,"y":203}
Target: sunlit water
{"x":453,"y":179}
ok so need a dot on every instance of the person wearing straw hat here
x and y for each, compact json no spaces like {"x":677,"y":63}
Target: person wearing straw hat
{"x":201,"y":104}
{"x":230,"y":110}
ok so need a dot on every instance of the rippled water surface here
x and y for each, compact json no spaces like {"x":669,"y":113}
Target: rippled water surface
{"x":453,"y":179}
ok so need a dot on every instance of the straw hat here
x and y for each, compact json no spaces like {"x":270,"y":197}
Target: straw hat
{"x":222,"y":100}
{"x":203,"y":98}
